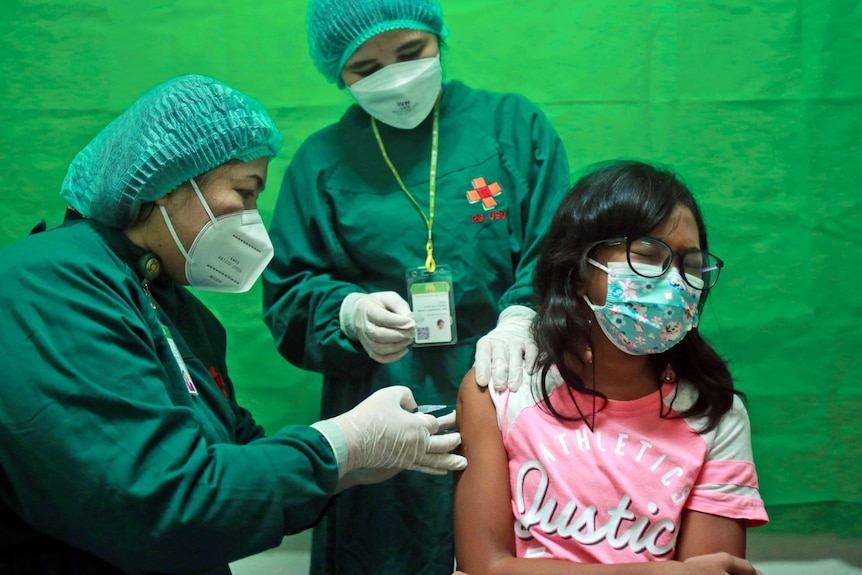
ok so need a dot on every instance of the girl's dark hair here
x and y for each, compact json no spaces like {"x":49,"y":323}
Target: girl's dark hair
{"x":616,"y":199}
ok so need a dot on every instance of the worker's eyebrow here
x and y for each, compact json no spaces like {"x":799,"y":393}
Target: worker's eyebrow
{"x":412,"y":44}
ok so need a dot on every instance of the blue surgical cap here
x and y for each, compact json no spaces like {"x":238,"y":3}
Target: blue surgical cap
{"x":336,"y":28}
{"x":173,"y":133}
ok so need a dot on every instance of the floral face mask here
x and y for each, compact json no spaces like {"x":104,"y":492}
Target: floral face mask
{"x":645,"y":315}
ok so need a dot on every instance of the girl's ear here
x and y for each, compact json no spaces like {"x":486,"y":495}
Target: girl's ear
{"x":579,"y":284}
{"x":581,"y":287}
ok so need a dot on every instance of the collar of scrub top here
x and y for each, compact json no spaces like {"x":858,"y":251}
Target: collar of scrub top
{"x":147,"y":265}
{"x":72,"y":214}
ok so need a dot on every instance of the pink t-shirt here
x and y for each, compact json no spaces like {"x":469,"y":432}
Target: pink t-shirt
{"x":616,"y":494}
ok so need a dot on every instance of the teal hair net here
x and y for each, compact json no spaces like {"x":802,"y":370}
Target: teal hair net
{"x":173,"y":133}
{"x":336,"y":28}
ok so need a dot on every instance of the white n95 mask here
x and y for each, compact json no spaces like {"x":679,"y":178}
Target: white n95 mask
{"x":401,"y":94}
{"x":229,"y":253}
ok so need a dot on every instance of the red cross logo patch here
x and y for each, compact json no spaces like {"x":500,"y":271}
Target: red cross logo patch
{"x":484,"y":193}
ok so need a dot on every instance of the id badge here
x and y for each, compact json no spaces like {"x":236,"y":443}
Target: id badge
{"x":187,"y":377}
{"x":432,"y":300}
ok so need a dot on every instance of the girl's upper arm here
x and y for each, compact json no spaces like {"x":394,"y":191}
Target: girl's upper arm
{"x":702,"y":533}
{"x":483,"y":509}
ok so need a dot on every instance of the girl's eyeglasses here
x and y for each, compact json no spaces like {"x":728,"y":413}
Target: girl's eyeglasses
{"x":652,"y":258}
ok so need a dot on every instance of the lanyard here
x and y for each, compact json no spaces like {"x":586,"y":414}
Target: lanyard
{"x":175,"y":351}
{"x":430,"y":265}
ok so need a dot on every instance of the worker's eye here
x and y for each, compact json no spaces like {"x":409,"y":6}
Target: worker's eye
{"x":365,"y":72}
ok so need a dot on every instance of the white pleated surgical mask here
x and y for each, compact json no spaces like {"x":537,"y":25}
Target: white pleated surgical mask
{"x":401,"y":94}
{"x":229,"y":253}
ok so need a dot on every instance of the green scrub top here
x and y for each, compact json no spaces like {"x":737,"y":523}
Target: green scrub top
{"x":111,"y":461}
{"x":342,"y":224}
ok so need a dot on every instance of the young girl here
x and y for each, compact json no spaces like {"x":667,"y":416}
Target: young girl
{"x":631,"y":451}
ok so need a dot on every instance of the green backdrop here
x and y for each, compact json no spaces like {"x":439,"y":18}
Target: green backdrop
{"x":758,"y":105}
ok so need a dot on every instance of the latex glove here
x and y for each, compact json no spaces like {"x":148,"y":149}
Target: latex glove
{"x":507,"y":351}
{"x":366,"y":476}
{"x":382,"y":436}
{"x":381,"y":322}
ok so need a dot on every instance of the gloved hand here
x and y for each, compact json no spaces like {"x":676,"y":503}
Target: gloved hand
{"x":380,"y":322}
{"x":369,"y":475}
{"x":507,"y":350}
{"x":381,"y":436}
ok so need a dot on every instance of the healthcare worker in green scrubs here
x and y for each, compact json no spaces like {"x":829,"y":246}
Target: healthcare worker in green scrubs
{"x":122,"y":446}
{"x":404,"y":234}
